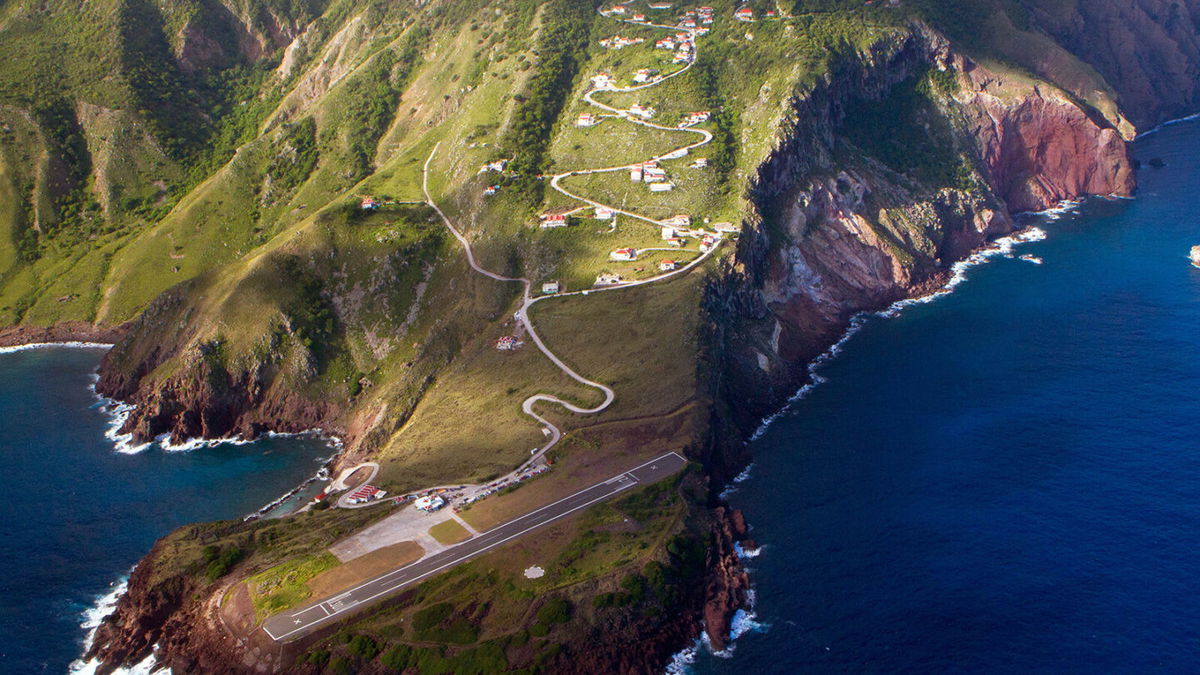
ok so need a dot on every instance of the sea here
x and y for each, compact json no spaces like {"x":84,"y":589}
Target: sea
{"x":80,"y":511}
{"x":1005,"y":479}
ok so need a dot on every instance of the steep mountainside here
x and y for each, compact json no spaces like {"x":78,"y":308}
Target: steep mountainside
{"x":260,"y":202}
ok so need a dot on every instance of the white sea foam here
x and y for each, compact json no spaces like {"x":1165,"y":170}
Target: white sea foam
{"x":958,"y":274}
{"x":1166,"y":124}
{"x":92,"y":617}
{"x":747,"y":553}
{"x":683,"y":660}
{"x":732,"y":487}
{"x":49,"y":345}
{"x":145,"y":667}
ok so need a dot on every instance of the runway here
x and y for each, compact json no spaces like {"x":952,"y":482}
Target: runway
{"x":295,"y":623}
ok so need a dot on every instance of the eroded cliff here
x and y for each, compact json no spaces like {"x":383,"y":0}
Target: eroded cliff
{"x":851,"y":222}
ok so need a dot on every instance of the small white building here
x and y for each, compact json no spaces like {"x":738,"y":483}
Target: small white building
{"x":587,"y":119}
{"x":666,"y":266}
{"x":654,"y":174}
{"x":642,"y":111}
{"x":608,"y":279}
{"x":551,"y":287}
{"x":635,"y":174}
{"x":679,"y":220}
{"x":662,"y":187}
{"x":668,"y":233}
{"x":603,"y":213}
{"x":553,"y":219}
{"x":675,"y":243}
{"x":726,"y":227}
{"x":623,"y":255}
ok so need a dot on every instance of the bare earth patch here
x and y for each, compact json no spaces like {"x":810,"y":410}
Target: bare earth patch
{"x":364,"y":567}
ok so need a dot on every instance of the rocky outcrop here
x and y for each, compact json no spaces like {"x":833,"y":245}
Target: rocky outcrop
{"x":142,"y":617}
{"x":727,"y":581}
{"x":205,"y":394}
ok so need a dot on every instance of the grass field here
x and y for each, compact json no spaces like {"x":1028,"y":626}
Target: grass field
{"x":286,"y":584}
{"x":449,"y":532}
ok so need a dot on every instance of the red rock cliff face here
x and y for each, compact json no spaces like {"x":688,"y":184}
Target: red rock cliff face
{"x":840,"y":238}
{"x":1039,"y":147}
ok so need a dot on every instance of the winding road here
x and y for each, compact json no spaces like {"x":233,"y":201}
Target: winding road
{"x":553,"y":433}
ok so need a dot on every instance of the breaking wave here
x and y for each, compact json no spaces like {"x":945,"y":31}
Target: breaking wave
{"x":732,"y":486}
{"x":48,"y":345}
{"x":92,"y":617}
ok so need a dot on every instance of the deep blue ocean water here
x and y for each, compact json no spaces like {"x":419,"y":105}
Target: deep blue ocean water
{"x":78,"y":515}
{"x":1006,"y":479}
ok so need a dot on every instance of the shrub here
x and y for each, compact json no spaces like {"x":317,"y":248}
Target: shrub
{"x":363,"y":646}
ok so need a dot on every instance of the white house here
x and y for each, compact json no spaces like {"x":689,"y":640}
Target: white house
{"x":654,"y":174}
{"x":666,"y":265}
{"x":553,"y":219}
{"x":679,"y":220}
{"x":623,"y":254}
{"x":668,"y":233}
{"x":551,"y":287}
{"x":603,"y":213}
{"x":635,"y":174}
{"x":608,"y":279}
{"x":587,"y":119}
{"x":662,"y":187}
{"x":641,"y":110}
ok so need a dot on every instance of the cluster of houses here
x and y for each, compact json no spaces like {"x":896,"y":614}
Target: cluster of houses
{"x":681,"y":43}
{"x":508,"y":343}
{"x":746,"y":13}
{"x":620,"y":42}
{"x":498,"y":165}
{"x":652,"y":174}
{"x":696,"y":20}
{"x":693,"y":118}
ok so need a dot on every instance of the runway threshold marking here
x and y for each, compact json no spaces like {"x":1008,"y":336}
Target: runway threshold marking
{"x":624,"y":485}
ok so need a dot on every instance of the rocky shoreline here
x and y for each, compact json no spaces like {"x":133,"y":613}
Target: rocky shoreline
{"x":73,"y":331}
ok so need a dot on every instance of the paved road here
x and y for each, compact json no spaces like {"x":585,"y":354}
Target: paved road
{"x":296,"y":623}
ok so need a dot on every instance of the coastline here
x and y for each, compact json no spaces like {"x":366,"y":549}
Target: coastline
{"x":68,"y":333}
{"x":745,"y":618}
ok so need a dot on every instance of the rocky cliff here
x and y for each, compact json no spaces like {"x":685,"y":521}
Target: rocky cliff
{"x":840,"y":231}
{"x":1148,"y":50}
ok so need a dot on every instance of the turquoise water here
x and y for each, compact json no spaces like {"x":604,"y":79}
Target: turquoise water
{"x":78,"y":515}
{"x":1006,"y":479}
